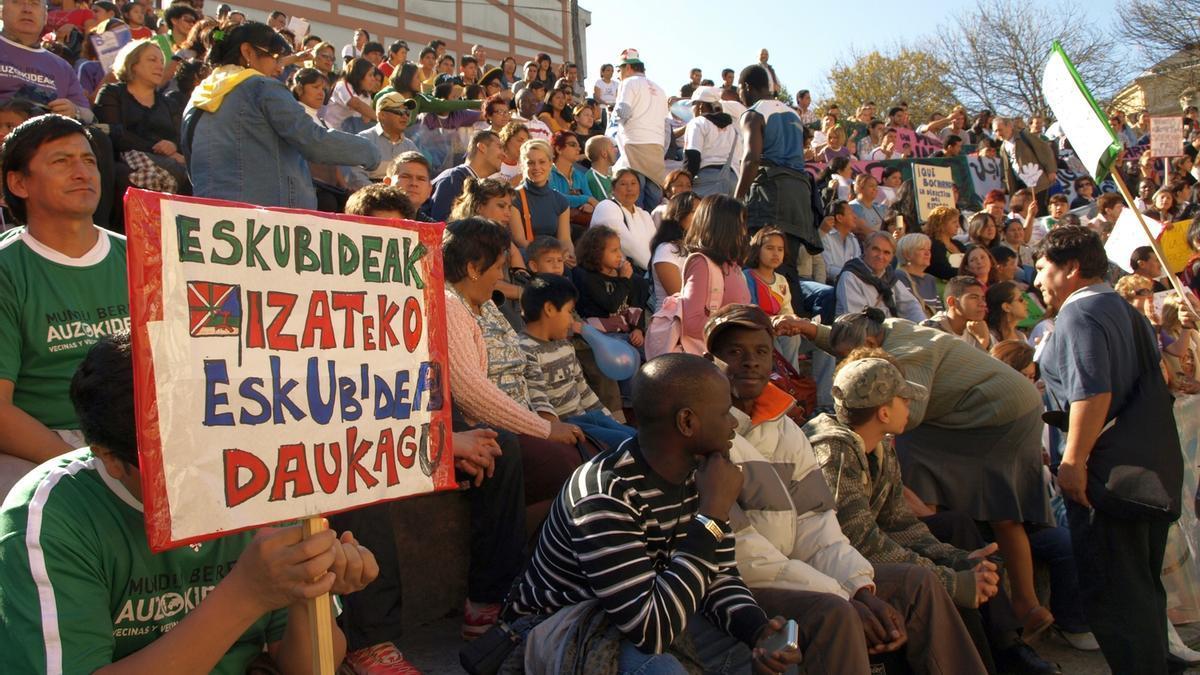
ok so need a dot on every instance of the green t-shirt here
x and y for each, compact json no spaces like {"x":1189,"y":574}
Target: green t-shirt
{"x":52,"y":309}
{"x":79,"y":587}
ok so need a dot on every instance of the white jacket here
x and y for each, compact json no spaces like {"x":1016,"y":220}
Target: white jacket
{"x":787,"y":530}
{"x":641,"y":111}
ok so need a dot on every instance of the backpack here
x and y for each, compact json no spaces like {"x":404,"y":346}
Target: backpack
{"x":665,"y":331}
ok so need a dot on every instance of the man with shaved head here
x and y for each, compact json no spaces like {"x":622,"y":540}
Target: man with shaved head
{"x":642,"y":533}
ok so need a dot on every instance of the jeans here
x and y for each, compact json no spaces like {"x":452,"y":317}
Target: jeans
{"x":603,"y":428}
{"x":818,"y":300}
{"x":1052,"y":545}
{"x":636,"y":662}
{"x":651,"y":194}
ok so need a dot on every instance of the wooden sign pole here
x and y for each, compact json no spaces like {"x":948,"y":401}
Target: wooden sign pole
{"x":320,"y":614}
{"x":1162,"y":259}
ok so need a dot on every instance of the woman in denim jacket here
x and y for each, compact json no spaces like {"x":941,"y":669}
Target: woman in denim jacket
{"x":246,"y":137}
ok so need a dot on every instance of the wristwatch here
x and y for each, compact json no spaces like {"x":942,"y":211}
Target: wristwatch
{"x":711,"y":525}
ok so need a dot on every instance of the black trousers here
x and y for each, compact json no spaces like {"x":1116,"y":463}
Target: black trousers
{"x":994,"y":625}
{"x":1120,"y":577}
{"x":373,"y":615}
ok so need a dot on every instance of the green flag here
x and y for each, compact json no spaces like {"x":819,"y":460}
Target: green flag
{"x":1078,"y":115}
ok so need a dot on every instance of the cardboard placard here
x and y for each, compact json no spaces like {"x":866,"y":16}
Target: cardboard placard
{"x":934,"y":187}
{"x":108,"y":43}
{"x":287,"y":363}
{"x":1166,"y":136}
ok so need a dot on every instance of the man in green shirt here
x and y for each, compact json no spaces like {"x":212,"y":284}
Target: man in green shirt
{"x":80,"y":590}
{"x":62,"y":286}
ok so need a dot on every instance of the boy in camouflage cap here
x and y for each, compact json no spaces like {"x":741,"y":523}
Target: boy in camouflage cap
{"x":871,"y":399}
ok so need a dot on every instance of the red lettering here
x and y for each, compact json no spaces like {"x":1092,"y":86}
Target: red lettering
{"x":319,"y":319}
{"x":387,"y":313}
{"x":408,"y":446}
{"x":254,"y":320}
{"x":412,"y":324}
{"x":235,"y":460}
{"x":369,"y":333}
{"x":353,"y":467}
{"x":276,"y":338}
{"x":348,"y":304}
{"x":291,"y":467}
{"x":385,"y":451}
{"x":328,"y":479}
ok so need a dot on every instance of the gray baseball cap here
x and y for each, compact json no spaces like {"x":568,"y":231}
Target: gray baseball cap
{"x":868,"y":383}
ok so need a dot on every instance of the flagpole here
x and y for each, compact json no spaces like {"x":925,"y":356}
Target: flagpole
{"x":1162,"y":259}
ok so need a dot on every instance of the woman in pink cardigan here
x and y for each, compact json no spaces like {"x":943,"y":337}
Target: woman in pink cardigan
{"x":488,"y":368}
{"x":718,"y":234}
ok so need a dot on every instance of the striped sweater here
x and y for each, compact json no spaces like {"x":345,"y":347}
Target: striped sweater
{"x":557,"y":376}
{"x":622,"y":534}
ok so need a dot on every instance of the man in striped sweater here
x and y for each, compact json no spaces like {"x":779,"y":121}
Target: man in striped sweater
{"x":644,"y":530}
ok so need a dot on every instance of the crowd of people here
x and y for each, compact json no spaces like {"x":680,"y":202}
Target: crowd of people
{"x":856,"y":436}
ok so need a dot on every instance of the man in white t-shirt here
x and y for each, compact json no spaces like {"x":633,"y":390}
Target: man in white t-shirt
{"x":353,"y":51}
{"x":527,"y":106}
{"x":641,"y":114}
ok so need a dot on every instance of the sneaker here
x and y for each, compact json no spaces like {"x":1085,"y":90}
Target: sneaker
{"x":1084,"y":642}
{"x":1178,"y":649}
{"x":477,"y":619}
{"x":381,"y":659}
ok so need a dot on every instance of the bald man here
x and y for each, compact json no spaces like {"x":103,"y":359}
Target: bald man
{"x":644,"y":531}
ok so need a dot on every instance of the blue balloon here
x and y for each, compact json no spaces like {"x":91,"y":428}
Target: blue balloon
{"x":617,"y":359}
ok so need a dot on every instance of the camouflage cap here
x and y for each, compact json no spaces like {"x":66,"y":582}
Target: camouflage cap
{"x":868,"y":383}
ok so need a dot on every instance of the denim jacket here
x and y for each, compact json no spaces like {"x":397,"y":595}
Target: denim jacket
{"x":255,"y":144}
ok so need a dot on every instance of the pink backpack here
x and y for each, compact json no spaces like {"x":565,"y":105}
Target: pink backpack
{"x":665,"y":332}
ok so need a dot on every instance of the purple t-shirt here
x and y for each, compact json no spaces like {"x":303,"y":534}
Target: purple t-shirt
{"x":37,"y":75}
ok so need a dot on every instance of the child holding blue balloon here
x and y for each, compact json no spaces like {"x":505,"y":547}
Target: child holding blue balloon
{"x":548,"y":303}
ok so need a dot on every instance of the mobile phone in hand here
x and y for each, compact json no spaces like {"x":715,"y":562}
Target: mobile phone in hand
{"x":788,"y":638}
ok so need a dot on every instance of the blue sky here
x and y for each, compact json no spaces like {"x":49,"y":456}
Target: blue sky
{"x":805,"y":38}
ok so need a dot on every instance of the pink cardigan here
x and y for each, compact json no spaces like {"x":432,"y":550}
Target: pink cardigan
{"x":698,"y":289}
{"x":480,"y":399}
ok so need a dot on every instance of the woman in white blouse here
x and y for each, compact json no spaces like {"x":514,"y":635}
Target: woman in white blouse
{"x":631,"y":222}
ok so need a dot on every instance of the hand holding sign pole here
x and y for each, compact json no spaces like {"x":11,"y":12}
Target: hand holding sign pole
{"x":1093,"y":139}
{"x":287,"y":365}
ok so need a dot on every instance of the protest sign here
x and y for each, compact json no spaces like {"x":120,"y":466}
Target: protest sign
{"x":1128,"y":235}
{"x":986,"y":174}
{"x":108,"y":43}
{"x":934,"y":187}
{"x":287,"y":363}
{"x":1166,"y":137}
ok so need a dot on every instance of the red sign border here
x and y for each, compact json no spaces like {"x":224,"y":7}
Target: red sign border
{"x":143,"y":222}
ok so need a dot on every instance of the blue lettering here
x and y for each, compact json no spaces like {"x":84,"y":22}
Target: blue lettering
{"x":249,"y":390}
{"x":280,"y":395}
{"x":216,"y":372}
{"x":321,"y":410}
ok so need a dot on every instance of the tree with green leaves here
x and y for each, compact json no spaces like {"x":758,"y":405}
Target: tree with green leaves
{"x":902,"y":73}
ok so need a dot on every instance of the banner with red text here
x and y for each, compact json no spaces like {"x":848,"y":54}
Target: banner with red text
{"x":287,"y":363}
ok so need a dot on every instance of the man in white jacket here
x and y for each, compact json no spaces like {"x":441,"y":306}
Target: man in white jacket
{"x":791,"y":551}
{"x":641,"y":116}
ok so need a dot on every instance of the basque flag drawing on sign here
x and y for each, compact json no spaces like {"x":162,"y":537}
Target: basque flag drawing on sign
{"x":214,"y":309}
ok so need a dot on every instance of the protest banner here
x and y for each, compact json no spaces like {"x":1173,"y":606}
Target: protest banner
{"x":288,"y":363}
{"x":959,"y":169}
{"x":1166,"y":137}
{"x":934,"y":187}
{"x":108,"y":43}
{"x":986,"y":174}
{"x":909,"y":142}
